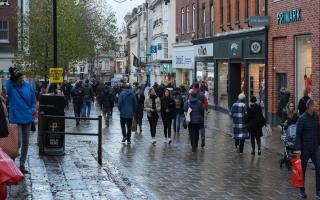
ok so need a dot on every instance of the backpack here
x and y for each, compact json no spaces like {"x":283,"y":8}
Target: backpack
{"x":177,"y":102}
{"x":200,"y":96}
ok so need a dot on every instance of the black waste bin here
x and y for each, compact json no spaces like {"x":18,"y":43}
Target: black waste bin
{"x":51,"y":134}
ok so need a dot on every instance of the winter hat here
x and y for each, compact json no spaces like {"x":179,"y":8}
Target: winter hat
{"x":253,"y":99}
{"x":241,"y":96}
{"x":14,"y":75}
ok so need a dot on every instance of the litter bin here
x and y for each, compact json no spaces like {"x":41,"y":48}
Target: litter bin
{"x":51,"y":134}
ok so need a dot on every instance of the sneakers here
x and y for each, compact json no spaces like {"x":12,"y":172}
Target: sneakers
{"x":124,"y":140}
{"x":165,"y":140}
{"x":259,"y":152}
{"x":253,"y":153}
{"x":23,"y":170}
{"x":170,"y":141}
{"x":154,"y":141}
{"x":128,"y":141}
{"x":303,"y":194}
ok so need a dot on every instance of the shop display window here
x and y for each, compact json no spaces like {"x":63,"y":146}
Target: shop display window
{"x":303,"y":65}
{"x":223,"y":72}
{"x":257,"y":82}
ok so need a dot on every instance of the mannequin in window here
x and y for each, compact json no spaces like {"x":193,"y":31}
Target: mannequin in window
{"x":308,"y":83}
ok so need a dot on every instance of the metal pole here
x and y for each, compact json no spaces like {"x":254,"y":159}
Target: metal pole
{"x":55,"y":49}
{"x":100,"y":140}
{"x":40,"y":133}
{"x":266,"y":74}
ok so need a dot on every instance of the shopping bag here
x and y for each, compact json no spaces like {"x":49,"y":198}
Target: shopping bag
{"x":297,"y":178}
{"x":134,"y":125}
{"x":9,"y":172}
{"x":267,"y":130}
{"x":10,"y":144}
{"x":188,"y":117}
{"x":3,"y":192}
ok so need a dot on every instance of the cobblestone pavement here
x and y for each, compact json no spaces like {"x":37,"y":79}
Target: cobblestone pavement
{"x":144,"y":171}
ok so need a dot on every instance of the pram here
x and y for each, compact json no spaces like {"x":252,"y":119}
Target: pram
{"x":288,"y":138}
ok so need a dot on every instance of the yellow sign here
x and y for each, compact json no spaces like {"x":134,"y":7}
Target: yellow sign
{"x":56,"y":75}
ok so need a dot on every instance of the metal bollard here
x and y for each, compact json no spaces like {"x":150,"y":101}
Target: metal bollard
{"x":100,"y":140}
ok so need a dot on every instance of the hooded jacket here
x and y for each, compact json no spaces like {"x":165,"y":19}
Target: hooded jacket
{"x":127,"y":103}
{"x":197,"y":113}
{"x":21,"y":112}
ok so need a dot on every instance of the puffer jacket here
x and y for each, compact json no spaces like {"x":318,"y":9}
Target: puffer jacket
{"x":148,"y":105}
{"x":127,"y":103}
{"x":21,"y":112}
{"x":197,"y":114}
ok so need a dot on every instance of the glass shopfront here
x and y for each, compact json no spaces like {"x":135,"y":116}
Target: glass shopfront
{"x":257,"y":83}
{"x":223,"y":96}
{"x":303,"y":66}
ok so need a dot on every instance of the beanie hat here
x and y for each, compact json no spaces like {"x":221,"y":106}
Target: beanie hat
{"x":253,"y":99}
{"x":241,"y":96}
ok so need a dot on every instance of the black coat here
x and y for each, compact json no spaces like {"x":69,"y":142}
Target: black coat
{"x":140,"y":107}
{"x":3,"y":121}
{"x":255,"y":120}
{"x":167,"y":108}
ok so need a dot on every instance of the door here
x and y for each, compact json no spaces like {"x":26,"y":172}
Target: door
{"x":235,"y":82}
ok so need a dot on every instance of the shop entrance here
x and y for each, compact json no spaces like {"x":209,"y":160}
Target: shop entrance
{"x":236,"y":81}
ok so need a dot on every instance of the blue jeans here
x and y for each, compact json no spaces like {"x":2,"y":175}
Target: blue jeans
{"x":177,"y":122}
{"x":315,"y":157}
{"x":23,"y":130}
{"x":77,"y":110}
{"x":86,"y":108}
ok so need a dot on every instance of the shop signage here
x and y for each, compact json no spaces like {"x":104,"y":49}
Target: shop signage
{"x":203,"y":50}
{"x":255,"y":47}
{"x":153,"y":49}
{"x":289,"y":16}
{"x":56,"y":75}
{"x":259,"y":20}
{"x":183,"y":59}
{"x":235,"y":49}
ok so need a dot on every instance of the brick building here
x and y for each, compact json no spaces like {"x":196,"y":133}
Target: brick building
{"x":294,"y":51}
{"x":8,"y":34}
{"x":238,"y":52}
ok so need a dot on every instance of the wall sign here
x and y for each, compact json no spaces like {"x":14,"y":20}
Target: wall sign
{"x":203,"y":50}
{"x":235,"y":49}
{"x":289,"y":16}
{"x":255,"y":47}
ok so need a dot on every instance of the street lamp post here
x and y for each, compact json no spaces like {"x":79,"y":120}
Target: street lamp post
{"x":55,"y":49}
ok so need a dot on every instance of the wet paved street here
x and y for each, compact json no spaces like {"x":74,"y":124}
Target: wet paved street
{"x":144,"y":171}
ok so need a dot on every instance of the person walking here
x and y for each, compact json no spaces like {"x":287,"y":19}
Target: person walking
{"x":88,"y":98}
{"x":202,"y":98}
{"x":289,"y":116}
{"x":153,"y":107}
{"x":78,"y":97}
{"x":22,"y":103}
{"x":127,"y":105}
{"x":302,"y":105}
{"x":107,"y":99}
{"x":238,"y":114}
{"x":178,"y":111}
{"x":256,"y":121}
{"x":167,"y":114}
{"x":139,"y":113}
{"x":196,"y":119}
{"x":307,"y":143}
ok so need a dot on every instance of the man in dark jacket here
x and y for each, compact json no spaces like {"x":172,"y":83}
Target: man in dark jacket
{"x":307,"y":142}
{"x":77,"y":95}
{"x":179,"y":106}
{"x":87,"y":99}
{"x":107,"y":98}
{"x":127,"y":104}
{"x":140,"y":107}
{"x":302,"y":106}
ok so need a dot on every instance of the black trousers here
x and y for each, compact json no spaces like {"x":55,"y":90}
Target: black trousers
{"x":167,"y":127}
{"x":240,"y":143}
{"x":253,"y":142}
{"x":126,"y":133}
{"x":153,"y":125}
{"x":194,"y":130}
{"x":315,"y":157}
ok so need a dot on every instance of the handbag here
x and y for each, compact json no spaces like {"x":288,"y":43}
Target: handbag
{"x":9,"y":172}
{"x":297,"y":178}
{"x":3,"y":121}
{"x":267,"y":131}
{"x":10,"y":144}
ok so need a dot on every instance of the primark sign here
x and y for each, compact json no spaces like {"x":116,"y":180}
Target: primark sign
{"x":289,"y":16}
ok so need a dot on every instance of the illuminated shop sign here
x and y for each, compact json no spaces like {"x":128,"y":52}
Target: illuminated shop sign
{"x":289,"y":16}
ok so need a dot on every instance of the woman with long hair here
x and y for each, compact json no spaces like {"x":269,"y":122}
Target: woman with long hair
{"x":290,"y":115}
{"x":167,"y":114}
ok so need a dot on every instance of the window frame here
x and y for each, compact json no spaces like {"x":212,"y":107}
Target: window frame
{"x":187,"y":20}
{"x":5,"y":30}
{"x":238,"y":11}
{"x":247,"y":9}
{"x":229,"y":12}
{"x":193,"y":18}
{"x":258,"y":7}
{"x":221,"y":13}
{"x":182,"y":20}
{"x":211,"y":20}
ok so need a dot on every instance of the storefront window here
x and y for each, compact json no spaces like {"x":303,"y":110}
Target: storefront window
{"x":303,"y":66}
{"x":257,"y":82}
{"x":223,"y":85}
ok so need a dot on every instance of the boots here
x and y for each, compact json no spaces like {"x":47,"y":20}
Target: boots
{"x":203,"y":142}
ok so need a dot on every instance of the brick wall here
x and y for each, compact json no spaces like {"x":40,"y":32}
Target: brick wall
{"x":233,"y":24}
{"x":282,"y":46}
{"x":10,"y":13}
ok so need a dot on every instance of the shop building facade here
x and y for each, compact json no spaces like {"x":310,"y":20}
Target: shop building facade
{"x":294,"y":51}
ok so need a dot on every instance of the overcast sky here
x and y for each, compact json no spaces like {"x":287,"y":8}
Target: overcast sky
{"x":121,"y":9}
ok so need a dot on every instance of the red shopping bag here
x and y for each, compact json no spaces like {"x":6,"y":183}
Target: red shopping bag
{"x":9,"y":172}
{"x":297,"y":178}
{"x":10,"y":144}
